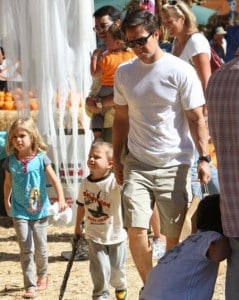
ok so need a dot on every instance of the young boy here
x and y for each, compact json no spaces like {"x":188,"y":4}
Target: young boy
{"x":189,"y":270}
{"x":99,"y":202}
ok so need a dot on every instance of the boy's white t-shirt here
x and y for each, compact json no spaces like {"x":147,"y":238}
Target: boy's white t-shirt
{"x":103,"y":212}
{"x":185,"y":272}
{"x":157,"y":96}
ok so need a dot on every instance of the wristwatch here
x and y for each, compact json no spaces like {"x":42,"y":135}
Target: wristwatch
{"x":99,"y":103}
{"x":206,"y":158}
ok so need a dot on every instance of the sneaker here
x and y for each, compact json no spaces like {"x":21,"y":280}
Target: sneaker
{"x":158,"y":248}
{"x":121,"y":294}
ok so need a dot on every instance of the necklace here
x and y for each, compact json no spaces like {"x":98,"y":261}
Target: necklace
{"x":25,"y":161}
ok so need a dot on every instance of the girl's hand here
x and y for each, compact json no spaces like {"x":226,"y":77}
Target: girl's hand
{"x":63,"y":205}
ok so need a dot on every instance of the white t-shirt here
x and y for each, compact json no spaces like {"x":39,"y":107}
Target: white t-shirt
{"x":195,"y":45}
{"x":157,"y":95}
{"x":184,"y":272}
{"x":103,"y":213}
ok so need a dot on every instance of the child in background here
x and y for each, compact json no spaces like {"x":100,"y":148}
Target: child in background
{"x":27,"y":202}
{"x":99,"y":203}
{"x":189,"y":270}
{"x":105,"y":65}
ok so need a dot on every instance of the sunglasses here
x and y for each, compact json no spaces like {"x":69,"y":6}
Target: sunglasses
{"x":102,"y":27}
{"x":139,"y":42}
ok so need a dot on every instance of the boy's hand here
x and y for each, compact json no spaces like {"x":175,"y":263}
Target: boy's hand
{"x":78,"y":232}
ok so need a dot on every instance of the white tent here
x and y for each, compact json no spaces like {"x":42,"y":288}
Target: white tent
{"x":53,"y":40}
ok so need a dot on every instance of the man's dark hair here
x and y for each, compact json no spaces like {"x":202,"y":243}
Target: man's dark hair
{"x":140,"y":17}
{"x":208,"y":215}
{"x":108,"y":10}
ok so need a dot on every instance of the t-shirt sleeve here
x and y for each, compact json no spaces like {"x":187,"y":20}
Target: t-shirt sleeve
{"x":119,"y":98}
{"x":199,"y":44}
{"x":5,"y":165}
{"x":46,"y":160}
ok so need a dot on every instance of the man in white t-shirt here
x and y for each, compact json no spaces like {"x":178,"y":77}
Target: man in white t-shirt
{"x":159,"y":111}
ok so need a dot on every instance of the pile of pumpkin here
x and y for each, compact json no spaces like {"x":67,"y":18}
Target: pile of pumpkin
{"x":13,"y":100}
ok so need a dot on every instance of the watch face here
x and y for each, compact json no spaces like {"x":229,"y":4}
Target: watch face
{"x":205,"y":158}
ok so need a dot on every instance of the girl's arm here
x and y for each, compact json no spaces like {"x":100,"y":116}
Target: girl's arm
{"x":7,"y":188}
{"x":57,"y":187}
{"x":95,"y":69}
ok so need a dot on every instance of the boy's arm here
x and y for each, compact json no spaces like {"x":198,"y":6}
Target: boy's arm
{"x":7,"y":188}
{"x":57,"y":187}
{"x":79,"y":218}
{"x":219,"y":250}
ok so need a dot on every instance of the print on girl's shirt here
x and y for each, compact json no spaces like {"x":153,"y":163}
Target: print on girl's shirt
{"x":35,"y":203}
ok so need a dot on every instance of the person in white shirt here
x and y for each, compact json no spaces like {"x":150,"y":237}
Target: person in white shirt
{"x":99,"y":202}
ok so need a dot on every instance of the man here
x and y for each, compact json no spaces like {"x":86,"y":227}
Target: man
{"x":104,"y":18}
{"x":223,"y":111}
{"x":159,"y":102}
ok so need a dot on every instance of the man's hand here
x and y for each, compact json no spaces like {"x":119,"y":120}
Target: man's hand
{"x":204,"y":173}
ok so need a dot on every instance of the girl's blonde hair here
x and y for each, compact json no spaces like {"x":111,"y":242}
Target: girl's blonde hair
{"x":27,"y":124}
{"x":179,"y":9}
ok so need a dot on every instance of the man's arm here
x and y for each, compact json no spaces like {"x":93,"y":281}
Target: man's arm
{"x":200,"y":135}
{"x":120,"y":134}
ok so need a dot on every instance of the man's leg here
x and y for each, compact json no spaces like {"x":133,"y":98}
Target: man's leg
{"x":232,"y":286}
{"x":140,"y":250}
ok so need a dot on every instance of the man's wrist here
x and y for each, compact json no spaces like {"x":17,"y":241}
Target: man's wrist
{"x":206,"y":158}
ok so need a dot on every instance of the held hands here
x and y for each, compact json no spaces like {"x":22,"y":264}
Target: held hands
{"x":204,"y":173}
{"x":118,"y":171}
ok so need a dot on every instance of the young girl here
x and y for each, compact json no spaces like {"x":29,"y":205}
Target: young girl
{"x":104,"y":65}
{"x":26,"y":199}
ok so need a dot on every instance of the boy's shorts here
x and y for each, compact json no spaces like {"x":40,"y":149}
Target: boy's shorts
{"x":144,"y":185}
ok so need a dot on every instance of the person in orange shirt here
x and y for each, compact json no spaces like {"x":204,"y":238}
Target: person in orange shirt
{"x":104,"y":65}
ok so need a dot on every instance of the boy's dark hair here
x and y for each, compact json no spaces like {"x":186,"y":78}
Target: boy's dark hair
{"x":140,"y":17}
{"x":108,"y":10}
{"x":208,"y":215}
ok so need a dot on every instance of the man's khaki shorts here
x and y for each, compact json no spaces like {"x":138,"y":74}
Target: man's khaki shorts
{"x":144,"y":185}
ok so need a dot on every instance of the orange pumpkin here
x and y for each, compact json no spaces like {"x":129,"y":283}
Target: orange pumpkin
{"x":34,"y":104}
{"x":8,"y":105}
{"x":1,"y":104}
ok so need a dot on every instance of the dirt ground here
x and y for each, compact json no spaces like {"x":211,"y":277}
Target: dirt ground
{"x":79,"y":284}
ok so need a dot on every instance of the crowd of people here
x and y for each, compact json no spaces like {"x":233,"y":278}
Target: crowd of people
{"x":148,"y":162}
